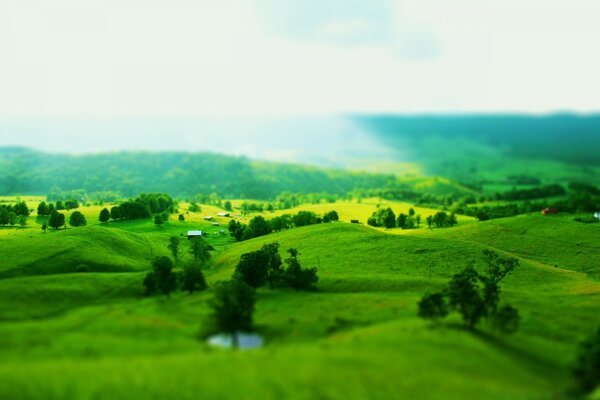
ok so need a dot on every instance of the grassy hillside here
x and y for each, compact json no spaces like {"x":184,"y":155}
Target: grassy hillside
{"x":357,"y":337}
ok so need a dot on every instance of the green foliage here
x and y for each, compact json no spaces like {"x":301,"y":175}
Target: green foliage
{"x":173,"y":246}
{"x":297,"y":277}
{"x":158,"y":220}
{"x":181,"y":218}
{"x":104,"y":215}
{"x":304,"y":218}
{"x":227,"y":206}
{"x":193,"y":279}
{"x":233,"y":307}
{"x":200,"y":249}
{"x":77,"y":219}
{"x":586,"y":371}
{"x":42,"y":209}
{"x":259,"y":227}
{"x":475,"y":296}
{"x":56,"y":220}
{"x":161,"y":279}
{"x":383,"y":217}
{"x":433,"y":307}
{"x":253,"y":268}
{"x":331,"y":216}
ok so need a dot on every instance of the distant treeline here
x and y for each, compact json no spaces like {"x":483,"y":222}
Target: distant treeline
{"x":259,"y":226}
{"x":181,"y":174}
{"x":143,"y":206}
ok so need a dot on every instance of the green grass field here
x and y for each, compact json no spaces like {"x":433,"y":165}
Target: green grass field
{"x":92,"y":335}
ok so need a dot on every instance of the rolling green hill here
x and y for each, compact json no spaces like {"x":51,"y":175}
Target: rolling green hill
{"x":357,"y":337}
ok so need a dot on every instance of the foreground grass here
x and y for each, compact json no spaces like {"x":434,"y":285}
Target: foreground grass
{"x":93,"y":336}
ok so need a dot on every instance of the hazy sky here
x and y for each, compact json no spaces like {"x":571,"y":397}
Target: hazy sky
{"x":234,"y":58}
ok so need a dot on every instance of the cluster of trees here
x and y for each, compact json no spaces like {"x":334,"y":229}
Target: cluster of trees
{"x":163,"y":279}
{"x":385,"y":217}
{"x":144,"y":206}
{"x":441,"y":219}
{"x":475,"y":296}
{"x":264,"y":266}
{"x":533,"y":193}
{"x":12,"y":214}
{"x":45,"y":209}
{"x":259,"y":226}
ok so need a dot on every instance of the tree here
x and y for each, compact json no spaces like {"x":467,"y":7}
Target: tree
{"x":274,"y":264}
{"x":56,"y":220}
{"x":433,"y":307}
{"x":4,"y":218}
{"x":59,"y":205}
{"x":253,"y":268}
{"x":193,"y":279}
{"x":233,"y":308}
{"x":259,"y":226}
{"x":383,"y":217}
{"x":161,"y":279}
{"x":463,"y":296}
{"x":476,"y":296}
{"x":200,"y":249}
{"x":44,"y":227}
{"x":228,"y":206}
{"x":586,"y":371}
{"x":430,"y":222}
{"x":411,"y":212}
{"x":77,"y":219}
{"x":331,"y":216}
{"x":115,"y":213}
{"x":506,"y":319}
{"x":174,"y":246}
{"x":42,"y":209}
{"x":158,"y":220}
{"x":418,"y":220}
{"x":181,"y":218}
{"x":104,"y":215}
{"x":402,"y":221}
{"x":22,"y":220}
{"x":297,"y":277}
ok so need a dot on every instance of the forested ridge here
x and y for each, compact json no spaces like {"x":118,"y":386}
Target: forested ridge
{"x":26,"y":171}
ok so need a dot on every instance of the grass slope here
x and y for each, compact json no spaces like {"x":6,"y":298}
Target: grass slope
{"x":357,"y":337}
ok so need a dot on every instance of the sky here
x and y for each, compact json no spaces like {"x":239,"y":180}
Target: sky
{"x":84,"y":60}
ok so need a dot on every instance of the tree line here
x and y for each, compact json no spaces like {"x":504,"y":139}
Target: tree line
{"x":144,"y":206}
{"x":386,"y":218}
{"x":259,"y":226}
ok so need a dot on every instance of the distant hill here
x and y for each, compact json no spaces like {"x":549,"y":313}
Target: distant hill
{"x":26,"y":171}
{"x":562,"y":137}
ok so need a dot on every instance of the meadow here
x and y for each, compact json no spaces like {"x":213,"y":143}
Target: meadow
{"x":74,"y":322}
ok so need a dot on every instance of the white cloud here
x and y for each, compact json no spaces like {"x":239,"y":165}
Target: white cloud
{"x":219,"y":58}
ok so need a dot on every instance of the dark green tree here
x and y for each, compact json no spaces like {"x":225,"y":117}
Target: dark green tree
{"x":162,"y":275}
{"x":42,"y":209}
{"x":56,"y":220}
{"x":297,"y":277}
{"x":181,"y":218}
{"x":44,"y":227}
{"x":259,"y":226}
{"x":115,"y":213}
{"x":4,"y":217}
{"x":104,"y":215}
{"x":253,"y":268}
{"x":200,"y":249}
{"x":233,"y":308}
{"x":77,"y":219}
{"x":228,"y":206}
{"x":433,"y":307}
{"x":274,"y":264}
{"x":193,"y":279}
{"x":174,"y":247}
{"x":158,"y":220}
{"x":586,"y":371}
